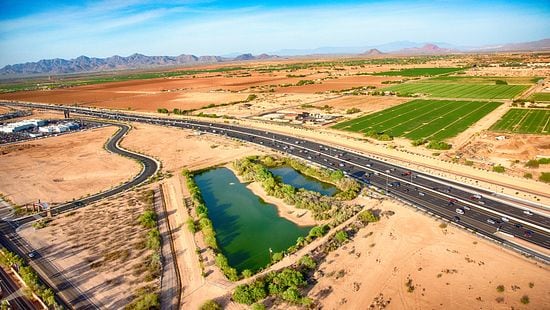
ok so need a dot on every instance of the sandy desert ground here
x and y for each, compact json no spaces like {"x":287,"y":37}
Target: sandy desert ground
{"x":449,"y":269}
{"x":58,"y":169}
{"x":178,"y":149}
{"x":100,"y":248}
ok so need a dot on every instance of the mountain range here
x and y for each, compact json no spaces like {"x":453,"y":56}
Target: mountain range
{"x":83,"y":64}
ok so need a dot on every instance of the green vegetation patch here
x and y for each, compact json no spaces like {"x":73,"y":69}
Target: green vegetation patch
{"x":540,"y":97}
{"x":457,"y":90}
{"x":486,"y":80}
{"x":535,"y":121}
{"x":422,"y":119}
{"x":419,"y":71}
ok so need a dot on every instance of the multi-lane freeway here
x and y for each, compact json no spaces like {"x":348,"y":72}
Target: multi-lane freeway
{"x":472,"y":208}
{"x":71,"y":297}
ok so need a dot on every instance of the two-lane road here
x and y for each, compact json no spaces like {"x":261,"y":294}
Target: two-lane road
{"x":71,"y":296}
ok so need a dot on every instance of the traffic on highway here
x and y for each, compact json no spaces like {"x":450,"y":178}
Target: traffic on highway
{"x":460,"y":203}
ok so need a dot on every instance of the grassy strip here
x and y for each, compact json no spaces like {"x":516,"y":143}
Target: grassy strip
{"x":148,"y":297}
{"x":29,"y":276}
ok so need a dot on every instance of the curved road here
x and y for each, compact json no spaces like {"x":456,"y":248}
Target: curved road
{"x":71,"y":296}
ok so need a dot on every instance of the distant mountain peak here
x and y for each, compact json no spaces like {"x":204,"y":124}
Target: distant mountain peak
{"x":373,"y":52}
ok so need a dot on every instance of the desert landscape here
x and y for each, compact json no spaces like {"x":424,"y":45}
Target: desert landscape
{"x":211,"y":155}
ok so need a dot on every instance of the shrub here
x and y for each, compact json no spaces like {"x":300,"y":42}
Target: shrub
{"x":162,"y":110}
{"x":367,"y":216}
{"x":191,"y":225}
{"x":545,"y":177}
{"x":148,"y":219}
{"x":211,"y":305}
{"x":307,"y":262}
{"x":419,"y":142}
{"x":277,"y":257}
{"x":439,"y":145}
{"x":341,"y":236}
{"x":353,"y":111}
{"x":532,"y":163}
{"x":145,"y":301}
{"x":501,"y":82}
{"x":524,"y":299}
{"x":500,"y":288}
{"x":258,"y":306}
{"x":528,"y":175}
{"x":243,"y":295}
{"x":499,"y":169}
{"x":153,"y":239}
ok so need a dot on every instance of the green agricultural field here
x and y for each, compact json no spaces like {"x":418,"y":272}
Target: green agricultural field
{"x":540,"y":97}
{"x":422,"y":119}
{"x":535,"y":121}
{"x":451,"y":90}
{"x":485,"y":80}
{"x":419,"y":71}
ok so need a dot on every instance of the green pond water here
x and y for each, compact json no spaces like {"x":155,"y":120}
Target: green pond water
{"x":298,"y":180}
{"x":246,"y":227}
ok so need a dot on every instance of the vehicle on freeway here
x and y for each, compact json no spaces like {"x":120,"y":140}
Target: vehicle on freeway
{"x":459,"y":211}
{"x":481,"y":202}
{"x":467,"y":208}
{"x":456,"y":218}
{"x":491,"y":221}
{"x":505,"y":219}
{"x":527,"y":212}
{"x":475,"y":197}
{"x":518,"y":226}
{"x":421,"y":194}
{"x":528,"y":233}
{"x":406,"y":173}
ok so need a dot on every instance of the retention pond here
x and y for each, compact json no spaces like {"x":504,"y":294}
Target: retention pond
{"x":298,"y":180}
{"x":246,"y":227}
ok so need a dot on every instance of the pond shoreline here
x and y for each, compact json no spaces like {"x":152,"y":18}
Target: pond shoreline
{"x":300,"y":217}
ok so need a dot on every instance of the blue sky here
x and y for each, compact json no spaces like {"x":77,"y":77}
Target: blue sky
{"x":33,"y":30}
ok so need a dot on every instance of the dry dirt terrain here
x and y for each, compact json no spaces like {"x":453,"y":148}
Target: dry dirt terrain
{"x":58,"y":169}
{"x":448,"y":268}
{"x":178,"y":149}
{"x":100,"y":248}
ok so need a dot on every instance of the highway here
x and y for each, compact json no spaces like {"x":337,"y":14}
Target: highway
{"x":480,"y":211}
{"x":71,"y":297}
{"x":466,"y":206}
{"x":9,"y":287}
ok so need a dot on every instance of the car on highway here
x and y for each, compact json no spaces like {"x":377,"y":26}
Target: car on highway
{"x":456,"y":218}
{"x":421,"y":194}
{"x":518,"y":226}
{"x":505,"y":219}
{"x":459,"y":210}
{"x":528,"y":233}
{"x":491,"y":221}
{"x":527,"y":212}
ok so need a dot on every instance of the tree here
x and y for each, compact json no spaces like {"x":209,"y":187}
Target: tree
{"x":242,"y":295}
{"x":367,"y":216}
{"x":318,"y":231}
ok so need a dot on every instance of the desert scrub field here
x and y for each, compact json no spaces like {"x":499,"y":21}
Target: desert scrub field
{"x":422,"y":119}
{"x":524,"y":121}
{"x":452,"y":90}
{"x":419,"y":71}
